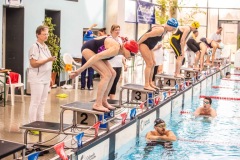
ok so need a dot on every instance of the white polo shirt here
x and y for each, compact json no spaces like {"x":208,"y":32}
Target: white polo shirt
{"x":116,"y":62}
{"x":41,"y":74}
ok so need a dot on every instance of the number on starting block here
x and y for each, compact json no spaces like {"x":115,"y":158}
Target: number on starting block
{"x":85,"y":119}
{"x":169,"y":82}
{"x":139,"y":96}
{"x":188,"y":74}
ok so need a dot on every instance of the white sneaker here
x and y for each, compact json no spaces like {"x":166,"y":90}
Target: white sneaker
{"x":64,"y":86}
{"x":69,"y":86}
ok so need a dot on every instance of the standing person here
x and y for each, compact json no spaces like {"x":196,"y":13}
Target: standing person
{"x":87,"y":36}
{"x":97,"y":52}
{"x":147,"y":42}
{"x":217,"y":38}
{"x":158,"y":53}
{"x":117,"y":61}
{"x":199,"y":48}
{"x":39,"y":75}
{"x":178,"y":41}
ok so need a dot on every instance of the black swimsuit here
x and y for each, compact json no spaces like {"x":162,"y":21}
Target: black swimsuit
{"x":205,"y":41}
{"x":175,"y":42}
{"x":95,"y":45}
{"x":152,"y":41}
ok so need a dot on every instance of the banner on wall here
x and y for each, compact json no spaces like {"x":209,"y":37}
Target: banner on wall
{"x":145,"y":12}
{"x":14,"y":2}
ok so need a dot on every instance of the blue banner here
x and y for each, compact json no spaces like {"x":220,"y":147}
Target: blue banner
{"x":145,"y":12}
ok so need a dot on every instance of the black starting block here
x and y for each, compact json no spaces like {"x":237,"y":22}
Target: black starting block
{"x":136,"y":94}
{"x":113,"y":102}
{"x":84,"y":116}
{"x":189,"y":73}
{"x":43,"y":126}
{"x":167,"y":82}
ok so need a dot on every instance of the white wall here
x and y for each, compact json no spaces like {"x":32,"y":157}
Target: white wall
{"x":74,"y":17}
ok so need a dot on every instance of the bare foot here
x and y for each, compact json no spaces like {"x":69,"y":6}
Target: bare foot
{"x":179,"y":76}
{"x":107,"y":105}
{"x":100,"y":108}
{"x":153,"y":86}
{"x":149,"y":88}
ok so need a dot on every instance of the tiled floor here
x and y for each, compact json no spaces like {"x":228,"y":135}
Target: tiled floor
{"x":12,"y":117}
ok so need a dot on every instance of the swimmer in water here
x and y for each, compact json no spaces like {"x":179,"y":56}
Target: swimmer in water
{"x":228,"y":75}
{"x":206,"y":109}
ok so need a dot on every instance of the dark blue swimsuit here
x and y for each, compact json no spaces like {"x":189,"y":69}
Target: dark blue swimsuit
{"x":95,"y":45}
{"x":152,"y":41}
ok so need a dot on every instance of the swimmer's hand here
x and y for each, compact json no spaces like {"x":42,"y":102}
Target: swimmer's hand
{"x":72,"y":75}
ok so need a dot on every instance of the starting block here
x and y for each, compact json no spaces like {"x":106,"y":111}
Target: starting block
{"x":42,"y":126}
{"x":136,"y":94}
{"x":167,"y":82}
{"x":113,"y":102}
{"x":189,"y":73}
{"x":84,"y":116}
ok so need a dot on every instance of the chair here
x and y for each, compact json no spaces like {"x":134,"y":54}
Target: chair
{"x":67,"y":59}
{"x":14,"y":84}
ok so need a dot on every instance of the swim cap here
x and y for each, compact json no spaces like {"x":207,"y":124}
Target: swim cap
{"x":195,"y":24}
{"x":209,"y":51}
{"x":89,"y":33}
{"x":221,"y":45}
{"x":158,"y":121}
{"x":172,"y":22}
{"x":132,"y":46}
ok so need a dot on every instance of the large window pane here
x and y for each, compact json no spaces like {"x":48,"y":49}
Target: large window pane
{"x":185,"y":15}
{"x":224,"y":3}
{"x":142,"y":28}
{"x":229,"y":14}
{"x":212,"y":21}
{"x":129,"y":30}
{"x":192,"y":3}
{"x":130,"y":11}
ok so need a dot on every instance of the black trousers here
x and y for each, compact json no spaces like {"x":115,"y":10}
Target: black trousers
{"x":118,"y":74}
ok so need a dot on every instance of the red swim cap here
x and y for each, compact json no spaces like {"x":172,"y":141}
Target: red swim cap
{"x":132,"y":46}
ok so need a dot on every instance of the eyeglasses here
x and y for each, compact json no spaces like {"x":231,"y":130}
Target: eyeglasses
{"x":206,"y":102}
{"x":45,"y":34}
{"x":161,"y":125}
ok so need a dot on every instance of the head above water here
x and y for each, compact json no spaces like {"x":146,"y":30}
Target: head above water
{"x":228,"y":75}
{"x":158,"y":121}
{"x":208,"y":99}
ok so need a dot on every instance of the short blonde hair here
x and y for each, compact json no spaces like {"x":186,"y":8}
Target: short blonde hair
{"x":40,"y":29}
{"x":114,"y":26}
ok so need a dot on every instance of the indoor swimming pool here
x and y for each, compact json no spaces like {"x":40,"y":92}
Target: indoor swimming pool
{"x":198,"y":138}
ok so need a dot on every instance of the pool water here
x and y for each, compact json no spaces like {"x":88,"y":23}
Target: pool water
{"x":198,"y":138}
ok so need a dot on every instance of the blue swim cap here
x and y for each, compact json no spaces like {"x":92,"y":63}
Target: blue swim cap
{"x":89,"y":33}
{"x":172,"y":22}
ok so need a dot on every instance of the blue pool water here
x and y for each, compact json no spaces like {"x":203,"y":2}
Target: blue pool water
{"x":200,"y":138}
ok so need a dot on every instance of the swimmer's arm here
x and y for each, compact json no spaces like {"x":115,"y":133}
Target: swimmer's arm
{"x":197,"y":112}
{"x":213,"y":113}
{"x":157,"y":31}
{"x":183,"y":39}
{"x":170,"y":137}
{"x":214,"y":51}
